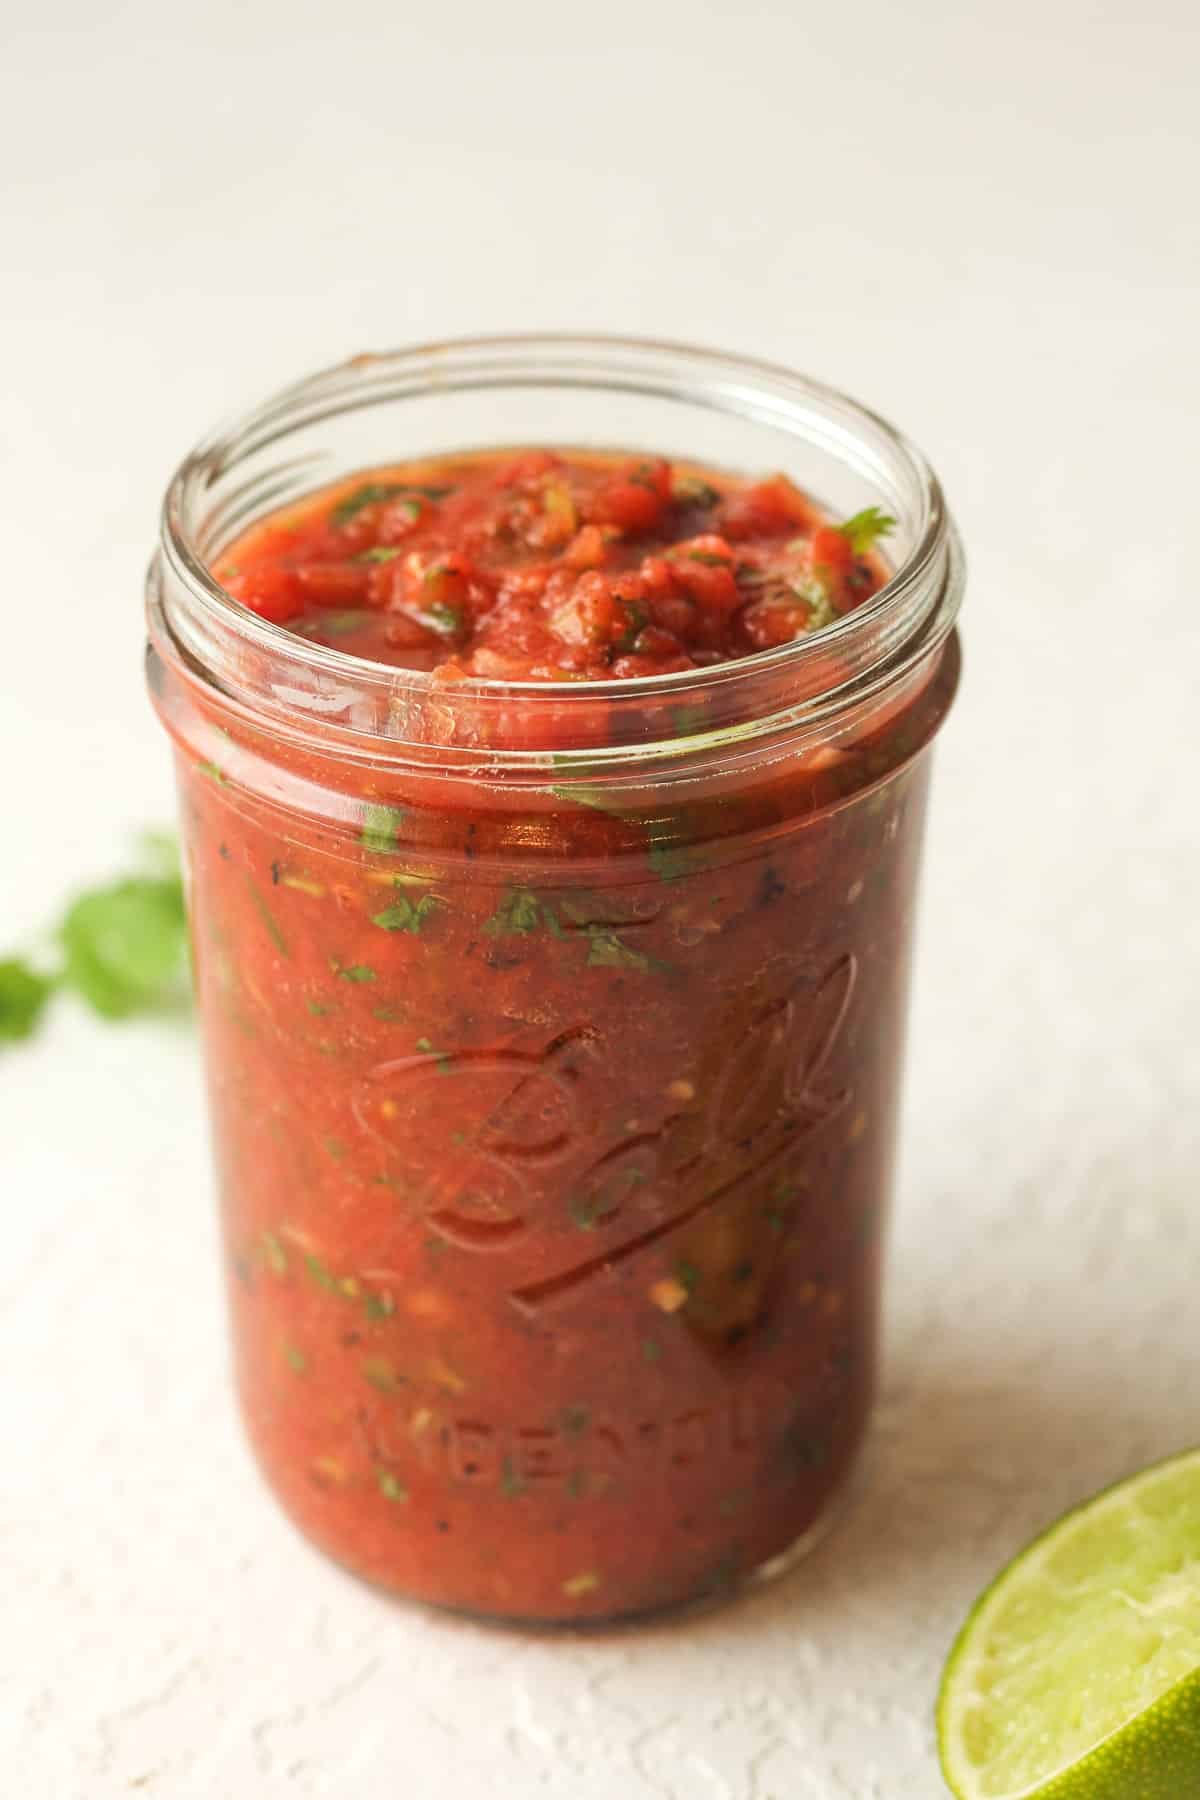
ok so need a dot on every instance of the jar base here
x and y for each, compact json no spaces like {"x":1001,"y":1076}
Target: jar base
{"x":772,"y":1570}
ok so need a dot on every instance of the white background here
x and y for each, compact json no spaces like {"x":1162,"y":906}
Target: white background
{"x":983,"y":220}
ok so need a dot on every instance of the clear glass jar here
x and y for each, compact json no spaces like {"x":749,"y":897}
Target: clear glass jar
{"x":553,"y":1209}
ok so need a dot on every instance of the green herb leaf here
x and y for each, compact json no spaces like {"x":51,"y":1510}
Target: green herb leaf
{"x":379,"y":553}
{"x":587,"y":1210}
{"x":636,"y":619}
{"x":389,"y":1487}
{"x":671,"y":862}
{"x":24,"y":992}
{"x":689,"y":490}
{"x":442,"y":617}
{"x":354,"y":972}
{"x":687,"y":1275}
{"x":821,"y":610}
{"x":382,"y":1375}
{"x":369,"y":494}
{"x":520,"y":911}
{"x":275,"y":1254}
{"x":389,"y":1015}
{"x":380,"y":825}
{"x":267,"y":916}
{"x":606,"y":951}
{"x":865,"y":529}
{"x":441,"y":1057}
{"x":404,"y":915}
{"x":324,"y":1278}
{"x":124,"y":945}
{"x":594,"y":797}
{"x":337,"y":624}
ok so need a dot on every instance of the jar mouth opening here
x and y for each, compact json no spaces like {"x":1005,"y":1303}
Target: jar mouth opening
{"x":198,"y":616}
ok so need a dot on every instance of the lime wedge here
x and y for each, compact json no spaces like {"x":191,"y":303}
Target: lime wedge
{"x":1077,"y":1674}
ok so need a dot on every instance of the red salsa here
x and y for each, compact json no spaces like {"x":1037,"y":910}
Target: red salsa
{"x":541,"y":567}
{"x":554,"y":1127}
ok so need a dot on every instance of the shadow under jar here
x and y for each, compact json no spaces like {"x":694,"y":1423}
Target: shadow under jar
{"x":553,"y":1208}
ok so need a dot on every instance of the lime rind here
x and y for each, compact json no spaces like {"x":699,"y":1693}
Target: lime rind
{"x":1079,"y":1667}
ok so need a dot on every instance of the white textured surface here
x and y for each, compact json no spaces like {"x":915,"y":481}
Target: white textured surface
{"x":988,"y":228}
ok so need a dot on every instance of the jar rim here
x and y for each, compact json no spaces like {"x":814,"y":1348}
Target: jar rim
{"x":876,"y":644}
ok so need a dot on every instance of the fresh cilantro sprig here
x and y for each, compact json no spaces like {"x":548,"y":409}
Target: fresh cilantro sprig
{"x":121,"y":948}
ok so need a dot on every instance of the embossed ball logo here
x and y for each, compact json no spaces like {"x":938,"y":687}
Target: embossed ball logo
{"x":523,"y":1133}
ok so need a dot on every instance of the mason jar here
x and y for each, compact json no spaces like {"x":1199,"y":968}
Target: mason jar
{"x":554,"y":1035}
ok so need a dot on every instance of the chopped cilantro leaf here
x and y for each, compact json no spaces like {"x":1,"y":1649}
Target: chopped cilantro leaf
{"x":595,"y":797}
{"x":380,"y":825}
{"x":369,"y":494}
{"x":267,"y":916}
{"x":405,"y":915}
{"x":379,"y":553}
{"x":606,"y":950}
{"x":354,"y":972}
{"x":337,"y":624}
{"x":275,"y":1254}
{"x":636,"y":620}
{"x":445,"y":618}
{"x":441,"y":1057}
{"x":587,"y":1210}
{"x":671,"y":862}
{"x":864,"y":530}
{"x":372,"y":492}
{"x":689,"y":490}
{"x":816,"y":596}
{"x":389,"y":1487}
{"x":518,"y":912}
{"x":324,"y":1278}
